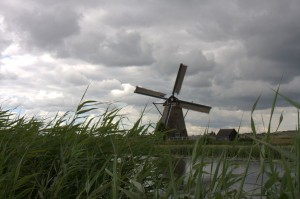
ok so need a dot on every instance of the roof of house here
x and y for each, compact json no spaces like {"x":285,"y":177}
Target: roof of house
{"x":225,"y":132}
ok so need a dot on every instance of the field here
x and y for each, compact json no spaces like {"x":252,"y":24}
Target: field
{"x":239,"y":148}
{"x":75,"y":156}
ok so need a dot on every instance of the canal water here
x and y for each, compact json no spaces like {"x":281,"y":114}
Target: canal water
{"x":255,"y":179}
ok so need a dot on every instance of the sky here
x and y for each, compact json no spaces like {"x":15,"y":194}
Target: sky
{"x":236,"y":51}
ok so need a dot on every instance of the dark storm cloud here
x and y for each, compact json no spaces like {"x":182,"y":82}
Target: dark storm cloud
{"x":169,"y":60}
{"x":122,"y":49}
{"x":201,"y":80}
{"x":56,"y":28}
{"x":152,"y":13}
{"x":268,"y":30}
{"x":235,"y":51}
{"x":40,"y":26}
{"x":48,"y":29}
{"x":274,"y":39}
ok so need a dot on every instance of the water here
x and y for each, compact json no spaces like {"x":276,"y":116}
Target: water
{"x":254,"y":179}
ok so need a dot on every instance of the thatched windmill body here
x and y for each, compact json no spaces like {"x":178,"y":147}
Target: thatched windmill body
{"x":172,"y":117}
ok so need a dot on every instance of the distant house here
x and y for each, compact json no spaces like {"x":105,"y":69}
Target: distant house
{"x":226,"y":135}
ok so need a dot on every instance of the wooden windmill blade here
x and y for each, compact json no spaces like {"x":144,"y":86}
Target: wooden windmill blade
{"x":168,"y":114}
{"x":193,"y":106}
{"x":179,"y":79}
{"x":148,"y":92}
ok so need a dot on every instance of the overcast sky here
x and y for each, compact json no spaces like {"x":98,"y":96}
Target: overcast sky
{"x":51,"y":50}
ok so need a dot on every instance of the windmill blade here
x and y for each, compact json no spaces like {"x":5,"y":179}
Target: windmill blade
{"x":168,"y":114}
{"x":179,"y":78}
{"x":150,"y":93}
{"x":193,"y":106}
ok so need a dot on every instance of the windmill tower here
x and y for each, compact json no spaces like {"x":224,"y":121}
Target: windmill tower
{"x":172,"y":117}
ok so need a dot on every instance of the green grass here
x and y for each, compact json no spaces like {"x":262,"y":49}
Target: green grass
{"x":76,"y":156}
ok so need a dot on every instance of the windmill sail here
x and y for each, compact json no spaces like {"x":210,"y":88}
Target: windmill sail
{"x":179,"y":78}
{"x":194,"y":107}
{"x":150,"y":93}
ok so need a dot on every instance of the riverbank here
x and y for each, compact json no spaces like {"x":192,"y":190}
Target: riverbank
{"x":237,"y":149}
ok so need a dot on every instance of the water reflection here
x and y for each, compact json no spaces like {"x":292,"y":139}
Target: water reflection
{"x":236,"y":169}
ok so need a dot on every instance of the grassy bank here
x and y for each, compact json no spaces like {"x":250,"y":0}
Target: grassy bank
{"x":76,"y":156}
{"x":238,"y":151}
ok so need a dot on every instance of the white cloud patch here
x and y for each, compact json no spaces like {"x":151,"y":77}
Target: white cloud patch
{"x":126,"y":90}
{"x":44,"y":95}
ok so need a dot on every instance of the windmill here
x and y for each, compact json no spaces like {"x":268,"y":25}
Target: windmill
{"x":172,"y":117}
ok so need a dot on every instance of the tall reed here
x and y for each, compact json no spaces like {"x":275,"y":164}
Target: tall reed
{"x":78,"y":156}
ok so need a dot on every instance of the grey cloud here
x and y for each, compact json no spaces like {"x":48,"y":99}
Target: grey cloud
{"x":48,"y":29}
{"x":269,"y":31}
{"x":266,"y":70}
{"x":101,"y":88}
{"x":145,"y":13}
{"x":40,"y":26}
{"x":5,"y":75}
{"x":197,"y":62}
{"x":122,"y":49}
{"x":170,"y":59}
{"x":5,"y":40}
{"x":276,"y":36}
{"x":235,"y":50}
{"x":4,"y":43}
{"x":199,"y":80}
{"x":75,"y":78}
{"x":242,"y":94}
{"x":275,"y":41}
{"x":56,"y":29}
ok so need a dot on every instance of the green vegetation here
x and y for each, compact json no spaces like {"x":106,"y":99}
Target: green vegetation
{"x":239,"y":148}
{"x":76,"y":156}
